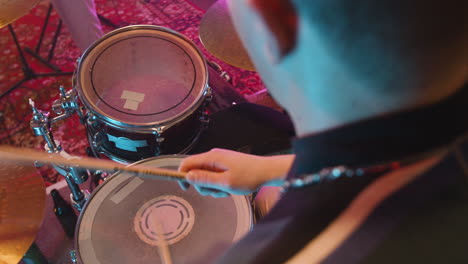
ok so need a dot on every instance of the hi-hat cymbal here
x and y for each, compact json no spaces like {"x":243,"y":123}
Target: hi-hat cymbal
{"x":10,"y":10}
{"x":219,"y":36}
{"x":22,"y":203}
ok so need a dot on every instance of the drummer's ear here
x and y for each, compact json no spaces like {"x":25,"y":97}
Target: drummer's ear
{"x":281,"y":17}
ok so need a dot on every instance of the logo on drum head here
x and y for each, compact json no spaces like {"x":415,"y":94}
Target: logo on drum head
{"x":132,"y":99}
{"x":165,"y":218}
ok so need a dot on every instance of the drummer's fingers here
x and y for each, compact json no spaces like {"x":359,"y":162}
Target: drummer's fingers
{"x":204,"y":161}
{"x":184,"y":185}
{"x":208,"y":177}
{"x":202,"y":191}
{"x":220,"y":194}
{"x":211,"y":191}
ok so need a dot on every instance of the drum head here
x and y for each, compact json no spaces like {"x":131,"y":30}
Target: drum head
{"x":141,"y":76}
{"x":127,"y":217}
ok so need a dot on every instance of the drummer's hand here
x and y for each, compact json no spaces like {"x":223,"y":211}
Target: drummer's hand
{"x":219,"y":172}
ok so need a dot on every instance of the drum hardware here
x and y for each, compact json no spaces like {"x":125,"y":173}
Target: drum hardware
{"x":208,"y":95}
{"x":151,"y":108}
{"x":221,"y":71}
{"x":67,"y":105}
{"x":41,"y":125}
{"x":9,"y":12}
{"x":73,"y":256}
{"x":98,"y":177}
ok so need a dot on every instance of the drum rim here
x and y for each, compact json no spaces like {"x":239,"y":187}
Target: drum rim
{"x":80,"y":217}
{"x":144,"y":126}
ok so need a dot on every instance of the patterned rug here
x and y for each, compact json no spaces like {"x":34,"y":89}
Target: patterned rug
{"x":15,"y":113}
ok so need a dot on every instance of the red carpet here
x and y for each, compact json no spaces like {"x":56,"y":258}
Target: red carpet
{"x":179,"y":15}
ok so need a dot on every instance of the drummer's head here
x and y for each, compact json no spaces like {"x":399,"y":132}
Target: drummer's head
{"x":336,"y":61}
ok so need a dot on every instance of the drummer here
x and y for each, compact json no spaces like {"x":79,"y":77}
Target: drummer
{"x":378,"y":86}
{"x":81,"y":19}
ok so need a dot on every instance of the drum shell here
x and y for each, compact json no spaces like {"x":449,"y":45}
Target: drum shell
{"x":172,"y":133}
{"x":176,"y":138}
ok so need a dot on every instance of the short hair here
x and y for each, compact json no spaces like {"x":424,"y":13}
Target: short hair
{"x":383,"y":41}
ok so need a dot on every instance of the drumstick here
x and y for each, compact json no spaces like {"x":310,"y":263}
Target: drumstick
{"x":163,"y":246}
{"x":27,"y":156}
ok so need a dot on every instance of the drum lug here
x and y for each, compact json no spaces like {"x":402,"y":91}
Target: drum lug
{"x":73,"y":257}
{"x":204,"y":118}
{"x":91,"y":120}
{"x":95,"y":143}
{"x":159,"y":132}
{"x":204,"y":115}
{"x":67,"y":102}
{"x":159,"y":138}
{"x":208,"y":94}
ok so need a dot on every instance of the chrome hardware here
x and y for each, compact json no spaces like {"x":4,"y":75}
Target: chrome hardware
{"x":66,"y":105}
{"x":38,"y":164}
{"x":79,"y":175}
{"x":83,"y":198}
{"x":204,"y":118}
{"x":41,"y":124}
{"x":73,"y":256}
{"x":159,"y":132}
{"x":219,"y":69}
{"x":208,"y":94}
{"x":91,"y":121}
{"x":103,"y":175}
{"x":95,"y":142}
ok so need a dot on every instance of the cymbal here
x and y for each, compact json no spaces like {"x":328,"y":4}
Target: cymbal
{"x":10,"y":10}
{"x":220,"y":38}
{"x":22,"y":203}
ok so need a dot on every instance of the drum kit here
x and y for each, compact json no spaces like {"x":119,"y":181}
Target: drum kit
{"x":141,"y":92}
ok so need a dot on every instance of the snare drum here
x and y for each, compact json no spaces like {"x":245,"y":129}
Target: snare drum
{"x":119,"y":222}
{"x":144,"y":89}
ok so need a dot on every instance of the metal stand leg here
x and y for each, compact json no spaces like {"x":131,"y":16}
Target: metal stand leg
{"x":107,"y":21}
{"x":78,"y":197}
{"x":35,"y":53}
{"x":41,"y":126}
{"x":28,"y":72}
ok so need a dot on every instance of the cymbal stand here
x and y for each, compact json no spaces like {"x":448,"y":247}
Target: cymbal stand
{"x":28,"y":72}
{"x":41,"y":125}
{"x":35,"y":53}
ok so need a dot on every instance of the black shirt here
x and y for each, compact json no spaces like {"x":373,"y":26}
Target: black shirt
{"x":424,"y":221}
